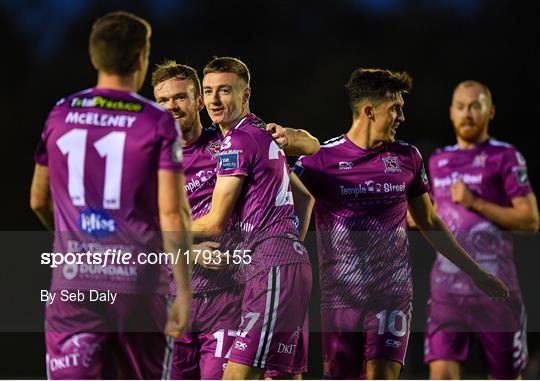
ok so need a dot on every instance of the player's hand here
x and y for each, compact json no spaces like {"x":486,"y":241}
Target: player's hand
{"x":179,"y":314}
{"x":279,"y":134}
{"x":491,"y":286}
{"x":461,"y":194}
{"x":207,"y":255}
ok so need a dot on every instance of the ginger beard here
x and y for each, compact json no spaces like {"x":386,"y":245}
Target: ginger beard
{"x":470,"y":113}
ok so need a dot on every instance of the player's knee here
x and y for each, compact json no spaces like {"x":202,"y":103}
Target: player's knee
{"x":444,"y":370}
{"x":296,"y":376}
{"x":378,"y":369}
{"x":236,"y":371}
{"x":518,"y":377}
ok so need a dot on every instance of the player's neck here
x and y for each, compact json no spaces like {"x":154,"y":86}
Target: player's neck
{"x":465,"y":144}
{"x":226,"y":127}
{"x":117,"y":82}
{"x":359,"y":135}
{"x":192,"y":136}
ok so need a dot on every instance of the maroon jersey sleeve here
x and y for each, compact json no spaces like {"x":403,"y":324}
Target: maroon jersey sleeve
{"x":420,"y":183}
{"x":41,"y":155}
{"x":170,"y":143}
{"x":238,"y":154}
{"x":304,"y":168}
{"x":514,"y":174}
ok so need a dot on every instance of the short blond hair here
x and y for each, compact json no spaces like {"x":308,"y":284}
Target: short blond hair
{"x":473,"y":83}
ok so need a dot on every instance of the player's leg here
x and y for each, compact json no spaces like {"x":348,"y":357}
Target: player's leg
{"x":76,"y":356}
{"x":380,"y":369}
{"x":185,"y":357}
{"x":445,"y":370}
{"x":236,"y":371}
{"x":502,"y":335}
{"x":219,"y":318}
{"x":294,"y":376}
{"x":76,"y":345}
{"x":342,"y":343}
{"x":273,"y":311}
{"x":185,"y":352}
{"x":447,"y":337}
{"x":142,"y":355}
{"x":387,"y":328}
{"x":517,"y":378}
{"x":142,"y":350}
{"x":300,"y":365}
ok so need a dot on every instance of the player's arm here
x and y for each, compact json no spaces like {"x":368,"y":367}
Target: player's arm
{"x":303,"y":203}
{"x":522,"y":216}
{"x":410,"y":221}
{"x":440,"y":237}
{"x":40,"y":196}
{"x":224,"y":197}
{"x":175,"y":221}
{"x":294,"y":142}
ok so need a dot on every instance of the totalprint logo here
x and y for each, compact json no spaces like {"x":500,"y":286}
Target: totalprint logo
{"x":391,"y":164}
{"x":96,"y":223}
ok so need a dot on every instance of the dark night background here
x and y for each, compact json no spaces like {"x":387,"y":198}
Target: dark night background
{"x":300,"y":54}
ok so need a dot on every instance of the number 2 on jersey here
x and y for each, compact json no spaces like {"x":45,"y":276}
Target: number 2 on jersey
{"x":284,"y":196}
{"x":111,"y":147}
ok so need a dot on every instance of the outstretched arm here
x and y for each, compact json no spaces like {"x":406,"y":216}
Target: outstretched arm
{"x":522,"y":216}
{"x":440,"y":237}
{"x":226,"y":193}
{"x":303,"y":204}
{"x":294,"y":142}
{"x":40,"y":196}
{"x":175,"y":222}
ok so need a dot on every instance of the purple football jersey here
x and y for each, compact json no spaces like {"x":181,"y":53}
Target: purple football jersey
{"x":497,"y":172}
{"x":360,"y":216}
{"x":200,"y":161}
{"x":265,"y":207}
{"x":103,"y":149}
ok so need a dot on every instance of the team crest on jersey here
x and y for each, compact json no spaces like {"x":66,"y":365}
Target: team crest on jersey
{"x":480,"y":160}
{"x":260,"y":125}
{"x":391,"y":164}
{"x":214,"y":148}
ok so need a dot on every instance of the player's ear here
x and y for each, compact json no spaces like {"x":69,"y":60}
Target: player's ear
{"x":492,"y":112}
{"x":94,"y":64}
{"x":200,"y":103}
{"x":139,"y":62}
{"x":369,"y":111}
{"x":247,"y":94}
